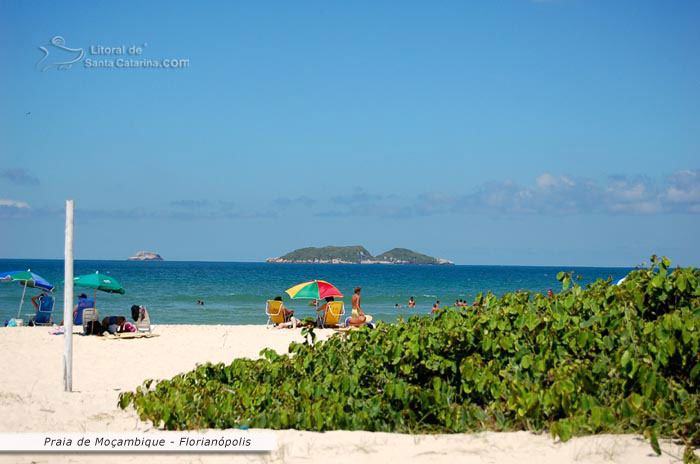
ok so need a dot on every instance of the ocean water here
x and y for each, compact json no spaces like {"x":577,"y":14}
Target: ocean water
{"x":235,"y":293}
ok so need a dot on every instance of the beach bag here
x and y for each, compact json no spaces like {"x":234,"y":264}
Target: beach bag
{"x":94,"y":328}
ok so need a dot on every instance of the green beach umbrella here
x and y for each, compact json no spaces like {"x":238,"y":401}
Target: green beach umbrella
{"x":99,"y":282}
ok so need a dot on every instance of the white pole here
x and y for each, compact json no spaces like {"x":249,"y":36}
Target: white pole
{"x":21,"y":302}
{"x":68,"y":301}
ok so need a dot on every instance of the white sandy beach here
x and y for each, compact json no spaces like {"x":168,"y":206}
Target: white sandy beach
{"x":32,"y":400}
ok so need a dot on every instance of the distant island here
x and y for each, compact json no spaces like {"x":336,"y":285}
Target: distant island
{"x":145,"y":256}
{"x":356,"y":255}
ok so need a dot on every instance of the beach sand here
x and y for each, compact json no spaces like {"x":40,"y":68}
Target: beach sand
{"x":32,"y":400}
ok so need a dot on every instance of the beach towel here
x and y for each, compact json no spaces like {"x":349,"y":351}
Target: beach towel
{"x":58,"y":331}
{"x":128,"y":335}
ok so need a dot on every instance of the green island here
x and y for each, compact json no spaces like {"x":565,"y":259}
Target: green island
{"x":601,"y":359}
{"x":356,"y":255}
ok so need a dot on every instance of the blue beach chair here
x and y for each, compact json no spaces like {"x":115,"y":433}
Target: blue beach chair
{"x":44,"y":310}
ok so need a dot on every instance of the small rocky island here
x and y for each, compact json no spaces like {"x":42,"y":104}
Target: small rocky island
{"x":356,"y":255}
{"x":145,"y":256}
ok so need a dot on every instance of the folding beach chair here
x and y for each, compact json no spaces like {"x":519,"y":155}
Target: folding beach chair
{"x":275,"y":315}
{"x":143,"y":323}
{"x":332,"y":314}
{"x":88,"y":315}
{"x":44,"y":310}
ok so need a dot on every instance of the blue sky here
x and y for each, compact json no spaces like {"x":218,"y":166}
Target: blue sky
{"x":514,"y":132}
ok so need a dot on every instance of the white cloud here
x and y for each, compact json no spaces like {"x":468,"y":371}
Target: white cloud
{"x":548,"y":194}
{"x":548,"y":181}
{"x":683,"y":191}
{"x":14,"y":204}
{"x":637,"y":196}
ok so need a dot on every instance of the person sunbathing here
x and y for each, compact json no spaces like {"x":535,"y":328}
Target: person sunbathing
{"x":358,"y":318}
{"x":289,"y":320}
{"x":324,"y":306}
{"x":114,"y":324}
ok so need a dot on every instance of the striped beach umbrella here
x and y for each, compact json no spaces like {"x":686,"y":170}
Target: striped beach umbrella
{"x":315,"y":289}
{"x":27,"y":279}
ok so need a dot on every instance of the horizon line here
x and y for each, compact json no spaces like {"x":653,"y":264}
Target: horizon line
{"x":331,"y":264}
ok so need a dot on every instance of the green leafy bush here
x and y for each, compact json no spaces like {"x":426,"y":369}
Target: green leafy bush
{"x":606,"y":358}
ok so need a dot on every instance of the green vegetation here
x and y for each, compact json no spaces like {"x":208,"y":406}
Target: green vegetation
{"x":404,"y":255}
{"x":600,"y":359}
{"x":350,"y":254}
{"x":356,"y":255}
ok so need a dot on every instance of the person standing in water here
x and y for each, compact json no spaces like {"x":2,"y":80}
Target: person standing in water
{"x":411,"y":303}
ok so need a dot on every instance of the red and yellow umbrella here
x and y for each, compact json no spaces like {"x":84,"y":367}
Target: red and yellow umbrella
{"x":316,"y":289}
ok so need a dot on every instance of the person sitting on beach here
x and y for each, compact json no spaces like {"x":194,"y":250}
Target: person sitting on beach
{"x":135,"y":312}
{"x":83,"y":303}
{"x":358,"y":318}
{"x":114,"y":324}
{"x":35,"y":300}
{"x":288,"y":313}
{"x":289,"y":320}
{"x":321,"y":310}
{"x":140,"y":316}
{"x":324,"y":306}
{"x":78,"y":313}
{"x":411,"y":303}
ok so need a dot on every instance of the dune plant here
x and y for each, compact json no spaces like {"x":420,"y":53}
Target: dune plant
{"x":601,"y":359}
